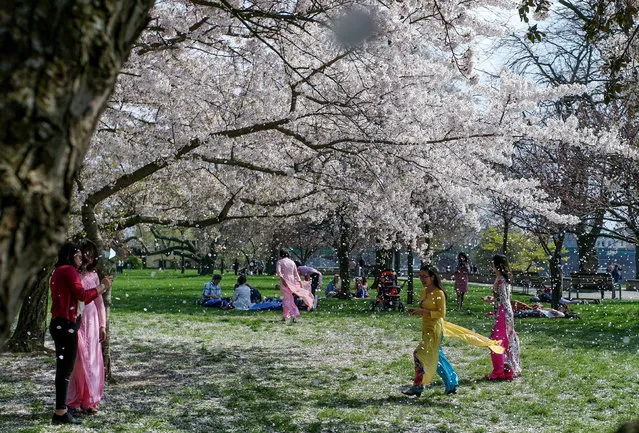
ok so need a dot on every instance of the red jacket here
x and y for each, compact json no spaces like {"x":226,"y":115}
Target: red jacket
{"x":66,"y":291}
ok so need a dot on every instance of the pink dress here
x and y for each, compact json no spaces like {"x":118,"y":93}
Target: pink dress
{"x":86,"y":384}
{"x":506,"y":365}
{"x":461,"y":279}
{"x":291,"y":283}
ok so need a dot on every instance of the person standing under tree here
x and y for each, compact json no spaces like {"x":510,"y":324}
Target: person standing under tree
{"x":314,"y":276}
{"x":461,"y":279}
{"x":291,"y":283}
{"x":86,"y":384}
{"x":506,"y":365}
{"x":236,"y":266}
{"x":66,"y":291}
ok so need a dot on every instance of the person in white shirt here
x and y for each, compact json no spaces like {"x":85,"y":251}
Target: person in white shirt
{"x":242,"y":294}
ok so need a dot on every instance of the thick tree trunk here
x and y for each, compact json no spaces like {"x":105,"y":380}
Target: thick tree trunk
{"x":556,"y":275}
{"x":397,"y":264}
{"x":504,"y":245}
{"x":343,"y":256}
{"x":58,"y":66}
{"x":32,"y":322}
{"x":586,"y":243}
{"x":410,"y":290}
{"x":383,"y":260}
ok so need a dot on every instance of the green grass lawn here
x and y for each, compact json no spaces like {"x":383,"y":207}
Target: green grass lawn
{"x":180,"y":367}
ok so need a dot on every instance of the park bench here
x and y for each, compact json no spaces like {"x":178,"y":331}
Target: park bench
{"x":525,"y":280}
{"x":586,"y":282}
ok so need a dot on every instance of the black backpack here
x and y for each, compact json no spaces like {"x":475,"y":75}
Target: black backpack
{"x":256,"y":296}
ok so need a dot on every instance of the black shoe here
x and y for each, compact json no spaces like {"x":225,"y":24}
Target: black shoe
{"x":413,"y":391}
{"x":75,"y":412}
{"x":67,"y":418}
{"x":452,"y":391}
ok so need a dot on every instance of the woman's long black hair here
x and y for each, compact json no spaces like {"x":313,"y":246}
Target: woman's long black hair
{"x":87,"y":245}
{"x":66,"y":253}
{"x":432,"y":271}
{"x":501,"y":264}
{"x":461,"y":262}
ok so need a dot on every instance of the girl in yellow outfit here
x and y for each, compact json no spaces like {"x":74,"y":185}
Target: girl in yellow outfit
{"x":428,"y":357}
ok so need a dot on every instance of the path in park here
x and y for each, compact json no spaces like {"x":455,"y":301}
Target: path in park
{"x":632,"y":295}
{"x":625,"y":294}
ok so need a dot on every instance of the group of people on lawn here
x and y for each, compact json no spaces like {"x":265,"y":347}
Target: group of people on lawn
{"x":244,"y":296}
{"x":78,"y":323}
{"x":291,"y":287}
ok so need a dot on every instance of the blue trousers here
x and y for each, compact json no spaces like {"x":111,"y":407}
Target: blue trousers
{"x":446,"y":371}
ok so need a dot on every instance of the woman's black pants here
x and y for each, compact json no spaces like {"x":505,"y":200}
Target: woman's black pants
{"x":65,"y":338}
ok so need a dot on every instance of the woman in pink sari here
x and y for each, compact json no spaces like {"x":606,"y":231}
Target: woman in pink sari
{"x":506,"y":366}
{"x":291,"y":283}
{"x":86,"y":384}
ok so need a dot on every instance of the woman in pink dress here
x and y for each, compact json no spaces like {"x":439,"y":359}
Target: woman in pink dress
{"x":86,"y":384}
{"x":291,"y":283}
{"x":506,"y":366}
{"x":461,"y":279}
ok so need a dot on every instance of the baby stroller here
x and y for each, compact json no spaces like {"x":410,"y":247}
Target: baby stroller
{"x":388,"y":293}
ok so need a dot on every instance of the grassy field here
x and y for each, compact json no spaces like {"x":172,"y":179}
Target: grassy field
{"x":180,"y":367}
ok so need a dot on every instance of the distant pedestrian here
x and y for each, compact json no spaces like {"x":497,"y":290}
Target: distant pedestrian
{"x":461,"y":279}
{"x":236,"y":266}
{"x":362,"y":265}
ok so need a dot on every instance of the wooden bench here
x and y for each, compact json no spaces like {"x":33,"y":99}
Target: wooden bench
{"x":523,"y":280}
{"x":584,"y":282}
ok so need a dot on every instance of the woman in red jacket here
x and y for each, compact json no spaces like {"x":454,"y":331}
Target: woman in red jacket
{"x":66,"y":291}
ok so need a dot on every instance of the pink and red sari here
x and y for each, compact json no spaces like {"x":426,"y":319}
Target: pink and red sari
{"x":505,"y":365}
{"x":291,"y":283}
{"x":86,"y":384}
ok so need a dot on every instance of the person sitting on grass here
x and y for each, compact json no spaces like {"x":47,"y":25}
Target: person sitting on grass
{"x":361,"y":288}
{"x":242,"y":294}
{"x":333,"y":286}
{"x":212,"y":293}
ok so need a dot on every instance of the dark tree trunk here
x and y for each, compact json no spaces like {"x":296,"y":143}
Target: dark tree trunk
{"x":586,"y":243}
{"x":383,"y":260}
{"x":343,"y":249}
{"x":58,"y":66}
{"x":410,"y":286}
{"x":556,"y":275}
{"x":32,"y":321}
{"x":397,"y":257}
{"x":504,"y":245}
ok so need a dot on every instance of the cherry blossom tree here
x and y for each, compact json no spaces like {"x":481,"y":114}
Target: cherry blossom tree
{"x":232,"y":110}
{"x":59,"y":63}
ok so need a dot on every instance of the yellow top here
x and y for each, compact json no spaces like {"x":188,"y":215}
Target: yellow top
{"x":435,"y":302}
